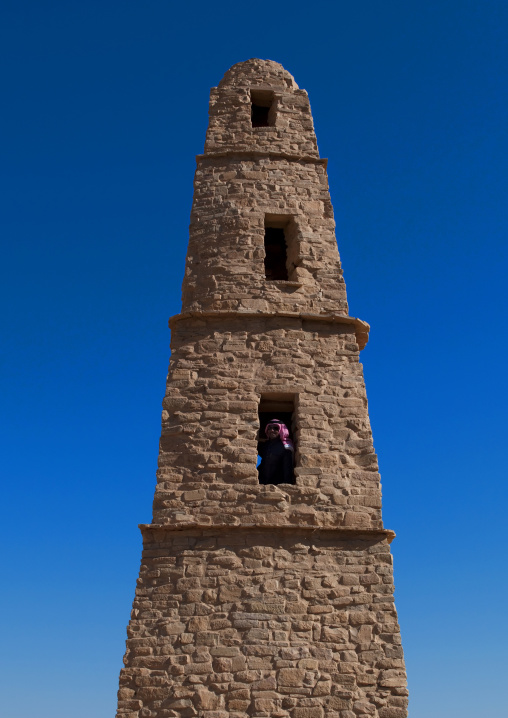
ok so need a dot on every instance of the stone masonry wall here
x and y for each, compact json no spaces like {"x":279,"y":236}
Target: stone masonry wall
{"x":210,"y":425}
{"x":229,"y":128}
{"x":246,"y":174}
{"x":256,"y":624}
{"x":225,"y":268}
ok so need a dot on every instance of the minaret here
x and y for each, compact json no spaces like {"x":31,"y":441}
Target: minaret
{"x":260,"y":600}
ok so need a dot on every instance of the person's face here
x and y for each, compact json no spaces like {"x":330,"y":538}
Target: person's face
{"x":272,"y":431}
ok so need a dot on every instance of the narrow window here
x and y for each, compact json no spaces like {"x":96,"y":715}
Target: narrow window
{"x":281,"y":247}
{"x":276,"y":447}
{"x":276,"y":254}
{"x":262,"y":108}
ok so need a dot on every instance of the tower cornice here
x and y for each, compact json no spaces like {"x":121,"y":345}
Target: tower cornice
{"x":361,"y":327}
{"x":246,"y":154}
{"x":337,"y":532}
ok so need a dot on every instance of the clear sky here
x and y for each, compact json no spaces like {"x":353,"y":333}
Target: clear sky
{"x":104,"y":107}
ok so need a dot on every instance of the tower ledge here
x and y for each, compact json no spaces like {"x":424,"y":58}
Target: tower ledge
{"x":361,"y":327}
{"x":338,"y":531}
{"x":245,"y":154}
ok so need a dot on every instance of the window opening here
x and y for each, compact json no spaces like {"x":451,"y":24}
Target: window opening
{"x":276,"y":254}
{"x":282,"y":247}
{"x":276,"y":447}
{"x":262,"y":108}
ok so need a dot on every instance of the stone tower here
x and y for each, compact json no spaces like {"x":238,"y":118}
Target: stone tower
{"x":260,"y":601}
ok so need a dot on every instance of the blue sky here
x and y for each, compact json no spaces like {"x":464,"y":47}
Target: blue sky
{"x":105,"y":106}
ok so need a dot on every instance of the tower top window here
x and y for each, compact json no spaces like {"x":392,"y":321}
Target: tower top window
{"x":262,"y":108}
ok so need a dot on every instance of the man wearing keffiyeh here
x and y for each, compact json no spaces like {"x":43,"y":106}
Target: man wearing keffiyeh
{"x":276,"y":453}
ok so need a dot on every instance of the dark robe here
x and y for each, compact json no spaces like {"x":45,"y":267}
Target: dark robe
{"x":276,"y":465}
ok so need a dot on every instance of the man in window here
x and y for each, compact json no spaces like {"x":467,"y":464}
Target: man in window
{"x":276,"y":453}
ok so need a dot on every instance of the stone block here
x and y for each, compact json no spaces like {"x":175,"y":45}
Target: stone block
{"x":308,"y":712}
{"x":291,"y":676}
{"x":206,"y":700}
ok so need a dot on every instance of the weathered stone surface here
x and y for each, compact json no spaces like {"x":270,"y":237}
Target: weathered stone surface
{"x":261,"y":601}
{"x":289,"y":657}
